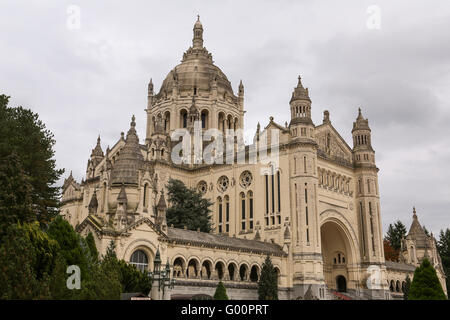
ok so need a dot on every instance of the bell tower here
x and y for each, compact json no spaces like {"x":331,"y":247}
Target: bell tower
{"x":367,"y":199}
{"x":305,"y":236}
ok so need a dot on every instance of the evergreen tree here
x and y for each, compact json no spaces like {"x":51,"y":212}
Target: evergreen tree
{"x":70,"y":244}
{"x":443,"y":246}
{"x":395,"y":234}
{"x":268,"y":282}
{"x":92,"y":247}
{"x":18,"y":258}
{"x":426,"y":230}
{"x":221,"y":292}
{"x":407,"y":287}
{"x":133,"y":280}
{"x":15,"y":193}
{"x":25,"y":136}
{"x":425,"y":284}
{"x":188,"y":207}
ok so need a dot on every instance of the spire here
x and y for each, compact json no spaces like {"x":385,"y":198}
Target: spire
{"x":162,"y":202}
{"x":241,"y":89}
{"x":197,"y":41}
{"x":360,"y":117}
{"x":300,"y":93}
{"x":97,"y":151}
{"x":130,"y":159}
{"x":122,"y":197}
{"x":360,"y":123}
{"x":414,"y":213}
{"x":150,"y":87}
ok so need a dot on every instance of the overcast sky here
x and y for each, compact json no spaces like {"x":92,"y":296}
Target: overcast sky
{"x":89,"y":80}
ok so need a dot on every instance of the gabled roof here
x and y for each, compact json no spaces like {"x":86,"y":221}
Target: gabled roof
{"x":329,"y":125}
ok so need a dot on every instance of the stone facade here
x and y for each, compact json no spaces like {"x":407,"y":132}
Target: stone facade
{"x":315,"y":210}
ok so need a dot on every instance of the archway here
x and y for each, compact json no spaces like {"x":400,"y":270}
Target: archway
{"x":338,"y":254}
{"x":341,"y":283}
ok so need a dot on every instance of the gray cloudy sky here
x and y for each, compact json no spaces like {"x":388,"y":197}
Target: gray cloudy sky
{"x":90,"y":80}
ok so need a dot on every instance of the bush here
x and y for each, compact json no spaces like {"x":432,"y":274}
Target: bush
{"x":221,"y":292}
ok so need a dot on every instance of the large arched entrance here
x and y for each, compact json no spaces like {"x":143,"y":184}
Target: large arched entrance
{"x":338,"y":255}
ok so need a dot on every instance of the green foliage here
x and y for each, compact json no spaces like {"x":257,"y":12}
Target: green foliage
{"x":134,"y":280}
{"x":425,"y":284}
{"x":18,"y":258}
{"x":395,"y":234}
{"x":15,"y":193}
{"x":268,"y":282}
{"x":407,"y":287}
{"x":58,"y":281}
{"x":26,"y":137}
{"x":92,"y":247}
{"x":45,"y":249}
{"x":70,"y":244}
{"x":188,"y":207}
{"x":221,"y":292}
{"x":443,"y":247}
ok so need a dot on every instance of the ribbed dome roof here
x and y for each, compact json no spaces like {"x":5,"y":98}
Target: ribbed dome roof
{"x":196,"y":70}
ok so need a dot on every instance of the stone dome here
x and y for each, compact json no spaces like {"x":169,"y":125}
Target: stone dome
{"x":196,"y":72}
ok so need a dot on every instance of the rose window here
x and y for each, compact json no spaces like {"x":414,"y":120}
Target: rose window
{"x":246,"y":179}
{"x":222,"y":183}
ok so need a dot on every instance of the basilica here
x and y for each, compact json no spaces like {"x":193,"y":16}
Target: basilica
{"x":314,"y":208}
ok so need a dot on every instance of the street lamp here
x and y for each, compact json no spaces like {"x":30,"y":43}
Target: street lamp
{"x":161,"y":276}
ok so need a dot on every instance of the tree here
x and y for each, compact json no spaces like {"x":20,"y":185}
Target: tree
{"x":221,"y":292}
{"x":70,"y":244}
{"x":15,"y":194}
{"x":133,"y":280}
{"x":188,"y":207}
{"x":443,"y":247}
{"x":389,"y":252}
{"x":395,"y":234}
{"x":25,"y":135}
{"x":425,"y":284}
{"x":92,"y":247}
{"x":407,"y":287}
{"x":268,"y":282}
{"x":18,"y":258}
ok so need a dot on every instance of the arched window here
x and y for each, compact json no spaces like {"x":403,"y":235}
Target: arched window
{"x":220,"y":213}
{"x":242,"y":197}
{"x":250,"y":209}
{"x":183,"y":118}
{"x":243,"y":272}
{"x":254,"y":276}
{"x":145,"y":195}
{"x":227,"y":214}
{"x":140,"y":260}
{"x":104,"y":198}
{"x":204,"y":118}
{"x":167,"y":121}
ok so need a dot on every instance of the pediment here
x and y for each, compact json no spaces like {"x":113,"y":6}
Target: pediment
{"x":331,"y":143}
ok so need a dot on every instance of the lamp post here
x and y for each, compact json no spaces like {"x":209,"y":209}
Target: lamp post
{"x":160,"y":279}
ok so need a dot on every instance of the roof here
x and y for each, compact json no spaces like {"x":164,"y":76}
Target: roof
{"x":130,"y":159}
{"x":399,"y":266}
{"x":196,"y":70}
{"x":216,"y":240}
{"x":417,"y":233}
